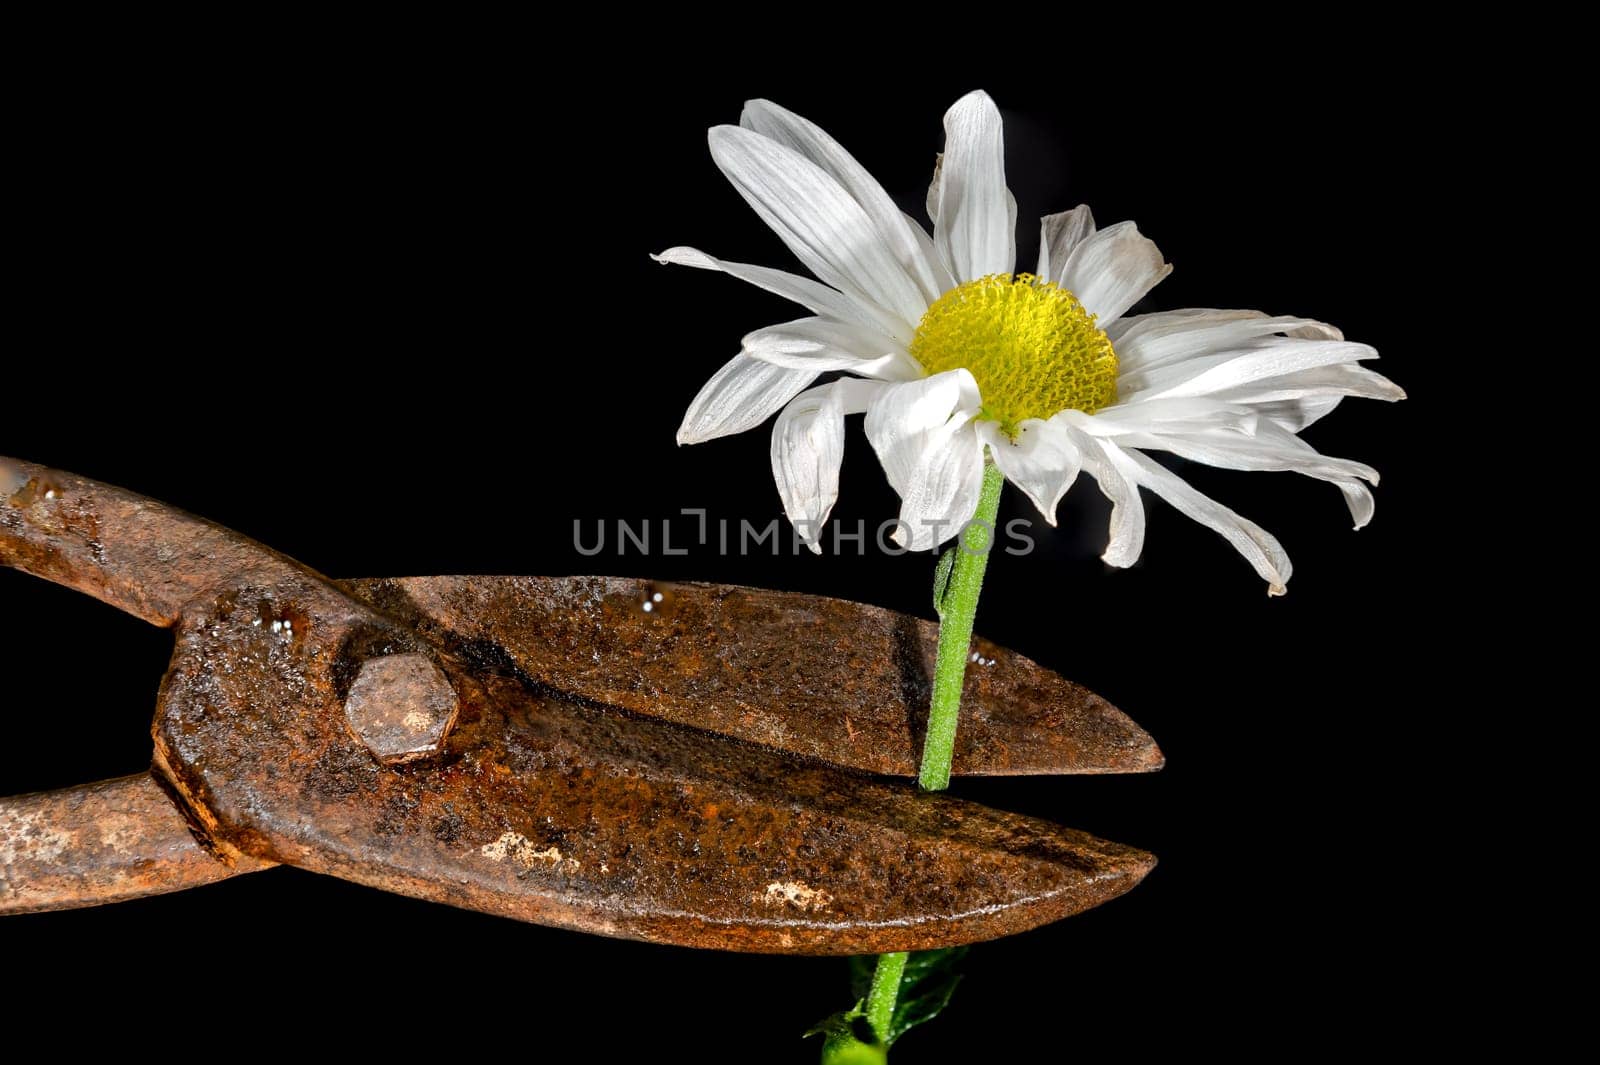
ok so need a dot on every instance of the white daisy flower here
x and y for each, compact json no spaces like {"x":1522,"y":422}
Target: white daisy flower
{"x":949,"y":352}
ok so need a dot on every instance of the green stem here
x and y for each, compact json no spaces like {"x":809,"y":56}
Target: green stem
{"x":885,"y":990}
{"x":958,"y":579}
{"x":957,"y":608}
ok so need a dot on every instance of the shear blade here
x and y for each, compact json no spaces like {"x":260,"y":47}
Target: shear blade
{"x":561,"y":812}
{"x":837,"y":681}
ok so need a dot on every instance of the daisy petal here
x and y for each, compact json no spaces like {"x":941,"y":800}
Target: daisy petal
{"x":740,"y":396}
{"x":812,"y":295}
{"x":1111,"y":270}
{"x":1297,"y":400}
{"x":814,"y":143}
{"x":1254,"y":361}
{"x":820,"y":222}
{"x":905,"y":413}
{"x":1126,"y":542}
{"x":1190,"y":414}
{"x":1344,"y":379}
{"x":1295,"y":414}
{"x":923,"y":434}
{"x":942,"y":278}
{"x":818,"y":344}
{"x":974,"y":228}
{"x":1259,"y":547}
{"x":807,"y":448}
{"x":944,"y":491}
{"x":1159,"y":340}
{"x":1270,"y":448}
{"x":1059,"y":234}
{"x":1042,"y":461}
{"x":1165,"y":321}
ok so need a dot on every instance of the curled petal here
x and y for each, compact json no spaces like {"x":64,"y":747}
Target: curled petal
{"x":812,"y":295}
{"x":808,"y":447}
{"x":818,"y":344}
{"x":923,"y":434}
{"x":1126,"y":541}
{"x":1111,"y":270}
{"x":1265,"y":446}
{"x":975,"y":225}
{"x":1259,"y":547}
{"x":1250,"y":363}
{"x":740,"y":396}
{"x":1059,"y":235}
{"x":1158,"y":340}
{"x":1043,"y":461}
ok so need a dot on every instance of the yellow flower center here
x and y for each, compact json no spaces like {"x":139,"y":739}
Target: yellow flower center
{"x":1030,"y":345}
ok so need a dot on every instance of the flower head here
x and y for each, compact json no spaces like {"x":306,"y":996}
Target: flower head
{"x":950,"y":352}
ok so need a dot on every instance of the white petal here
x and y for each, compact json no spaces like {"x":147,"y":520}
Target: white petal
{"x":944,"y":490}
{"x":932,"y":202}
{"x":1295,"y":414}
{"x":740,"y":396}
{"x":820,"y":222}
{"x":1189,"y":414}
{"x":1162,"y":321}
{"x":818,"y":345}
{"x":1253,"y":361}
{"x":1059,"y":234}
{"x":1259,"y":547}
{"x":1043,"y":461}
{"x":1298,"y":400}
{"x":1127,"y":510}
{"x":942,"y":278}
{"x":974,"y":228}
{"x":1158,"y":323}
{"x":1270,"y":448}
{"x":813,"y":295}
{"x":907,"y":412}
{"x":922,"y":431}
{"x":1160,"y":340}
{"x":1345,"y":379}
{"x":812,"y":142}
{"x":807,"y":448}
{"x":1359,"y":499}
{"x":1111,"y":270}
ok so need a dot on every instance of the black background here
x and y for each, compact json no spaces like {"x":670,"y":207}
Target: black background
{"x":395,"y":315}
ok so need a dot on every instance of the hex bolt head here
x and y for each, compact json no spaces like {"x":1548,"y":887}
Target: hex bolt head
{"x":402,"y":707}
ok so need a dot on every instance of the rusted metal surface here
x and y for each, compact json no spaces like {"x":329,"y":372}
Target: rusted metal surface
{"x":107,"y":842}
{"x":627,"y":800}
{"x":840,"y":682}
{"x":401,"y":707}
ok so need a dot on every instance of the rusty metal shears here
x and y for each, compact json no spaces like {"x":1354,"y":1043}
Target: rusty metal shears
{"x":692,"y":764}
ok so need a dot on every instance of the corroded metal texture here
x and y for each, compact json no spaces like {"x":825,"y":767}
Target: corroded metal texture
{"x":560,"y":796}
{"x":840,"y":682}
{"x":401,"y":707}
{"x":106,"y":842}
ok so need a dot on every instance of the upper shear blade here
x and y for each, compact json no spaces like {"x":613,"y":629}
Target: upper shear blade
{"x":842,"y":682}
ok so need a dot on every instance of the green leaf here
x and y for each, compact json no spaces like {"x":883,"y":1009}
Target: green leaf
{"x":941,"y":576}
{"x":847,"y":1039}
{"x":926,"y":989}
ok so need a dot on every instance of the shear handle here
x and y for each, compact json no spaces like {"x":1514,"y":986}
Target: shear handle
{"x":131,"y":552}
{"x":107,"y":842}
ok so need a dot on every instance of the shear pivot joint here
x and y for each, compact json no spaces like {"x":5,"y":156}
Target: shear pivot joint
{"x":401,"y":707}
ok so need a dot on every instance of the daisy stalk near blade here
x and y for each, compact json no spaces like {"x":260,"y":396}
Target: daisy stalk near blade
{"x":953,"y":355}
